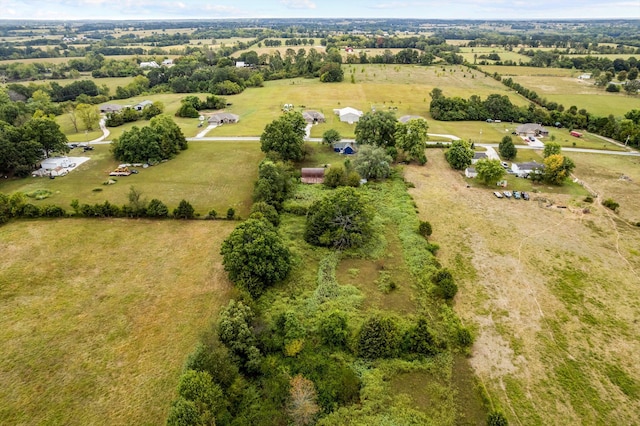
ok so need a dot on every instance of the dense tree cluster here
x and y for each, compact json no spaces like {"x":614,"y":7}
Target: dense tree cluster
{"x":459,"y":155}
{"x":162,"y":139}
{"x":284,"y":137}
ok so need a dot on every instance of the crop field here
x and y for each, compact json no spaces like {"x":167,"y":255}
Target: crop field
{"x":470,"y":54}
{"x":210,"y":175}
{"x":551,"y":292}
{"x":98,"y":316}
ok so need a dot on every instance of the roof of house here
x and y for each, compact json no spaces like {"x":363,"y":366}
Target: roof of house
{"x":221,"y":116}
{"x":348,"y":110}
{"x":342,"y":145}
{"x":152,"y":64}
{"x":144,"y":104}
{"x":312,"y":115}
{"x":406,"y":118}
{"x":479,"y":155}
{"x":110,"y":107}
{"x":531,"y":165}
{"x":530,"y":128}
{"x":312,"y":175}
{"x":470,"y":170}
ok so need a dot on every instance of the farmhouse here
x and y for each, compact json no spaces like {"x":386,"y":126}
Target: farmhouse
{"x":348,"y":114}
{"x":405,"y":118}
{"x":223,"y":118}
{"x":313,"y":117}
{"x":470,"y":172}
{"x":346,"y":148}
{"x":477,"y":156}
{"x":531,"y":129}
{"x":525,"y":169}
{"x":107,"y":108}
{"x":142,"y":105}
{"x":585,"y":76}
{"x":312,"y":175}
{"x":152,"y":64}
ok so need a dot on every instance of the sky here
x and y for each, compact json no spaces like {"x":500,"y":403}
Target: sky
{"x":227,"y":9}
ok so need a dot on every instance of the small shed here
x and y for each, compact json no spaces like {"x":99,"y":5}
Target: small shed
{"x":223,"y":118}
{"x":312,"y":175}
{"x":346,"y":148}
{"x":470,"y":172}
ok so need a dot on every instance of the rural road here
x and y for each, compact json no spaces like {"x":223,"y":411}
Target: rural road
{"x":452,"y":137}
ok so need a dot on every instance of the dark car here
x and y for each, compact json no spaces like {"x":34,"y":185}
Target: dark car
{"x":87,"y":148}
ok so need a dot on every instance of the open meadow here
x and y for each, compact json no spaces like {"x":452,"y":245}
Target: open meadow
{"x":551,"y":292}
{"x":564,"y":87}
{"x":98,"y":316}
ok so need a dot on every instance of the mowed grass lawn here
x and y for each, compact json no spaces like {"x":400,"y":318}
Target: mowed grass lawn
{"x":551,"y":293}
{"x":210,"y":175}
{"x":98,"y":316}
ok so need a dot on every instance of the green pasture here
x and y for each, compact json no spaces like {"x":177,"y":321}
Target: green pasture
{"x":210,"y":175}
{"x":98,"y":316}
{"x":510,"y":71}
{"x":470,"y":54}
{"x":401,"y":89}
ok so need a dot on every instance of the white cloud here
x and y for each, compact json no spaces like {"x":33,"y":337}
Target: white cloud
{"x":298,"y":4}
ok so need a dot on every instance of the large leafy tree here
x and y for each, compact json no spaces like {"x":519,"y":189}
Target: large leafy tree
{"x":372,"y":163}
{"x":285,"y":136}
{"x":489,"y":171}
{"x":557,"y":168}
{"x":89,"y":115}
{"x":255,"y":256}
{"x":379,"y":337}
{"x":551,"y":148}
{"x":160,"y":140}
{"x":235,"y":332}
{"x":46,"y":133}
{"x":459,"y":155}
{"x":507,"y":149}
{"x":331,"y":72}
{"x":341,"y":220}
{"x":377,"y":128}
{"x":411,"y":137}
{"x":273,"y":185}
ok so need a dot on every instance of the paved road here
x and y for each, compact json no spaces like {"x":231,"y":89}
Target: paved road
{"x":486,"y":145}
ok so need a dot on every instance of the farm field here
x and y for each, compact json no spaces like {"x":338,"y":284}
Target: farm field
{"x":404,"y":89}
{"x":471,"y":53}
{"x":551,"y":293}
{"x":563,"y":86}
{"x":98,"y":316}
{"x":210,"y":175}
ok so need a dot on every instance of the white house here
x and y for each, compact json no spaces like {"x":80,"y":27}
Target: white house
{"x":470,"y":172}
{"x":240,"y":64}
{"x":152,"y":64}
{"x":525,"y":169}
{"x":142,"y":105}
{"x":348,"y":114}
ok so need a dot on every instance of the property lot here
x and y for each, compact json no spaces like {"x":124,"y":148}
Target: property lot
{"x":551,"y":293}
{"x":98,"y":316}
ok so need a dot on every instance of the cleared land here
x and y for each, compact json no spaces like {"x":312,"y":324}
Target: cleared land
{"x":551,"y":292}
{"x":210,"y":175}
{"x":98,"y":316}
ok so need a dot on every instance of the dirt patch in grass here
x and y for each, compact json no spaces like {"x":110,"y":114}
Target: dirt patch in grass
{"x":550,"y":292}
{"x":98,"y":316}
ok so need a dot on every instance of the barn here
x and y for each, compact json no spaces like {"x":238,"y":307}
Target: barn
{"x":312,"y":175}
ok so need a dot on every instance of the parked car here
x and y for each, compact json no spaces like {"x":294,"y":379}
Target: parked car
{"x":525,"y":196}
{"x":516,"y":195}
{"x":507,"y":194}
{"x":497,"y":194}
{"x":72,"y":145}
{"x":504,"y":164}
{"x":87,"y":148}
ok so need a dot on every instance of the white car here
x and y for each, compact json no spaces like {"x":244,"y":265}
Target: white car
{"x":497,"y":194}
